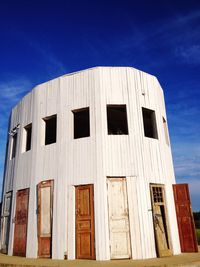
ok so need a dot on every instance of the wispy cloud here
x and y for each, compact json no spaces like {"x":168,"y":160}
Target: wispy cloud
{"x":11,"y":91}
{"x":168,"y":37}
{"x":42,"y":52}
{"x":188,"y":166}
{"x":194,"y":188}
{"x":187,"y":169}
{"x":189,"y":54}
{"x":50,"y":59}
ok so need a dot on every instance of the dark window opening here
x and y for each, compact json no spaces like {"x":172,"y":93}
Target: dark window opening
{"x":28,"y":130}
{"x":149,"y":121}
{"x":14,"y":145}
{"x":81,"y":123}
{"x":50,"y":129}
{"x":117,"y":119}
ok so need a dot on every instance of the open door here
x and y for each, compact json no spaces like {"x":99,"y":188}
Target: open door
{"x":45,"y":211}
{"x":160,"y":220}
{"x":21,"y":221}
{"x":186,"y":227}
{"x":120,"y":246}
{"x":85,"y":238}
{"x":5,"y":222}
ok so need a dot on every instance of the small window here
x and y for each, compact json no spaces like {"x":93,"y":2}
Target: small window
{"x":50,"y":129}
{"x":117,"y":119}
{"x":157,"y":194}
{"x":81,"y":123}
{"x":149,"y":121}
{"x":14,"y":146}
{"x":28,"y":134}
{"x":166,"y":131}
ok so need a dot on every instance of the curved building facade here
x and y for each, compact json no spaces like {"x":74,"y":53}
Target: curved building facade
{"x":89,"y":169}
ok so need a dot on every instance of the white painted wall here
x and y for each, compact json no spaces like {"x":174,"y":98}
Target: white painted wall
{"x":87,"y":160}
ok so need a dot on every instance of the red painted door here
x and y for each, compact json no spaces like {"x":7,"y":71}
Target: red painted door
{"x":185,"y":219}
{"x":85,"y":241}
{"x":21,"y":220}
{"x":45,"y":213}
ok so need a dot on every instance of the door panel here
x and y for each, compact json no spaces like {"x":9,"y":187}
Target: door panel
{"x":160,"y":220}
{"x":85,"y":240}
{"x":45,"y":210}
{"x":21,"y":221}
{"x":120,"y":247}
{"x":5,"y":222}
{"x":185,"y":219}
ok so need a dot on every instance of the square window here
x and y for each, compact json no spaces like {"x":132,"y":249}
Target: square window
{"x":50,"y":129}
{"x":81,"y":123}
{"x":117,"y":119}
{"x":28,"y":135}
{"x":149,"y":121}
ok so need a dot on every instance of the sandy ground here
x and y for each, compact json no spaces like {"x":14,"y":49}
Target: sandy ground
{"x":186,"y":259}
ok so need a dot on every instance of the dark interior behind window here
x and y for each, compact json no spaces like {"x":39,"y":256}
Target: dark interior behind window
{"x":14,"y":145}
{"x":50,"y":129}
{"x":81,"y":123}
{"x":28,"y":130}
{"x":117,"y":119}
{"x":149,"y":121}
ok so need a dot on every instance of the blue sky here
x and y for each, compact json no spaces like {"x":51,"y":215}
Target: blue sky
{"x":42,"y":39}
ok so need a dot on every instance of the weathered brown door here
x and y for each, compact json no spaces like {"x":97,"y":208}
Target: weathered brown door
{"x":45,"y":210}
{"x":160,"y":220}
{"x":185,"y":219}
{"x":21,"y":220}
{"x":5,"y":222}
{"x":85,"y":240}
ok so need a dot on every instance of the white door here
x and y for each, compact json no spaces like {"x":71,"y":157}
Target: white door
{"x":120,"y":247}
{"x":5,"y":222}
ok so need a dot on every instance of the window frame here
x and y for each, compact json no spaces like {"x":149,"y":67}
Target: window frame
{"x":75,"y":121}
{"x":27,"y":134}
{"x":149,"y":123}
{"x":166,"y":132}
{"x":14,"y":145}
{"x":123,"y":128}
{"x":45,"y":140}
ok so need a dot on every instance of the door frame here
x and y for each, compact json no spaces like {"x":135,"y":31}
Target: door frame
{"x":164,"y":203}
{"x":119,"y":178}
{"x":18,"y":191}
{"x":4,"y":246}
{"x":93,"y":248}
{"x":43,"y":184}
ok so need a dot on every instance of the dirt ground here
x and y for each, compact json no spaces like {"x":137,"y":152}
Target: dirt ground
{"x":186,"y":259}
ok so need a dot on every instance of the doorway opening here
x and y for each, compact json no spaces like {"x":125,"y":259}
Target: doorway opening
{"x":160,"y":220}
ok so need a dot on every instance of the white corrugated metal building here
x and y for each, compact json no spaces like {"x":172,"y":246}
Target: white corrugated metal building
{"x":89,"y":169}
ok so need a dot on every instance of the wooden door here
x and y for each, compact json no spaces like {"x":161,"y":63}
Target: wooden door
{"x":85,"y":238}
{"x":45,"y":213}
{"x":160,"y":220}
{"x":120,"y":247}
{"x":5,"y":222}
{"x":186,"y":227}
{"x":21,"y":221}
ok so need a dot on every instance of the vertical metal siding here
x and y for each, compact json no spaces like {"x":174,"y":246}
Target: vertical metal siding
{"x":88,"y":160}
